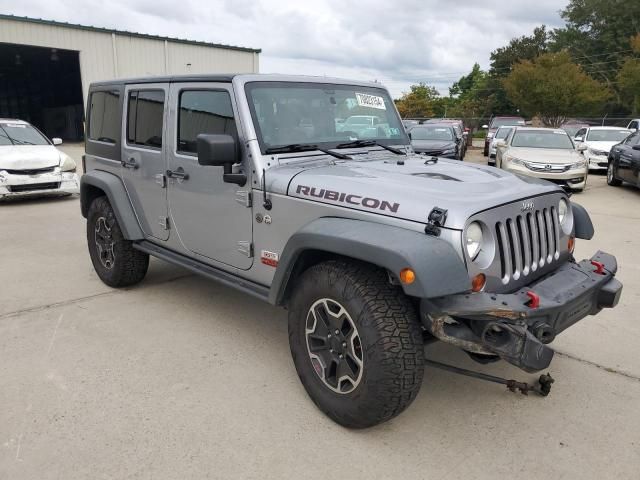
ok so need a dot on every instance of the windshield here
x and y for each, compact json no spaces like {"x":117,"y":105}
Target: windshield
{"x":542,"y":139}
{"x":607,"y":135}
{"x":287,"y":113}
{"x":20,"y":134}
{"x":502,"y":133}
{"x":431,"y":133}
{"x":501,"y":122}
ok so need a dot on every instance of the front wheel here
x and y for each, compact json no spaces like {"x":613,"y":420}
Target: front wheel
{"x":356,"y":343}
{"x":611,"y":175}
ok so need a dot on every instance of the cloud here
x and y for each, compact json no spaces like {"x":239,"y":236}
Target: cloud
{"x":398,"y":43}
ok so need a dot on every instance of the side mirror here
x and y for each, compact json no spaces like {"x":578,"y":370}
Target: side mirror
{"x":501,"y":144}
{"x":581,"y":148}
{"x":409,"y":133}
{"x":484,"y":127}
{"x":636,"y":147}
{"x":579,"y":139}
{"x":56,"y":141}
{"x":220,"y":151}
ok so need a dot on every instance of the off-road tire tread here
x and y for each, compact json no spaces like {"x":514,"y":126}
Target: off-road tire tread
{"x":394,"y":363}
{"x":130,"y":265}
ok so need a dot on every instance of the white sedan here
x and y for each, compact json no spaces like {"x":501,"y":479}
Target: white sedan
{"x":597,"y":142}
{"x":30,"y":164}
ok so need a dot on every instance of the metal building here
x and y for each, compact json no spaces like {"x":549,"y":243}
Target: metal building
{"x":46,"y":67}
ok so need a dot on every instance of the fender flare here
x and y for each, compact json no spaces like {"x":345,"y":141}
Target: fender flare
{"x":439,"y":269}
{"x":583,"y":227}
{"x":114,"y":189}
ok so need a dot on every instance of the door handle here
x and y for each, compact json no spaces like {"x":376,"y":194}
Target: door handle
{"x":179,"y":173}
{"x":131,"y":163}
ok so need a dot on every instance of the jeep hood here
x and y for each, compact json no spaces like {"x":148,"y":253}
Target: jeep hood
{"x":28,"y":157}
{"x":406,"y":191}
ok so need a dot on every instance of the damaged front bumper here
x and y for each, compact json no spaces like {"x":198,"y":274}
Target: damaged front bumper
{"x":518,"y":326}
{"x":38,"y":184}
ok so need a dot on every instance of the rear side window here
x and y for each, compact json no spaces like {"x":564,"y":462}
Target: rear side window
{"x":104,"y":116}
{"x":203,"y":111}
{"x":145,"y":115}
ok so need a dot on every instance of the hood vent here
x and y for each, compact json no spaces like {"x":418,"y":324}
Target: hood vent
{"x":435,"y":176}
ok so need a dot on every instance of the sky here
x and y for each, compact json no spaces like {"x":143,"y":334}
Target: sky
{"x":397,"y":43}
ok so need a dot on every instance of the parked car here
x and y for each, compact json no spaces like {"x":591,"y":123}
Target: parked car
{"x":363,"y":126}
{"x":410,"y":123}
{"x":458,"y":125}
{"x":437,"y":140}
{"x":634,"y":125}
{"x":572,"y":127}
{"x":492,"y":128}
{"x":371,"y":248}
{"x":598,"y":142}
{"x":545,"y":153}
{"x":500,"y":134}
{"x":624,"y":161}
{"x":30,"y":164}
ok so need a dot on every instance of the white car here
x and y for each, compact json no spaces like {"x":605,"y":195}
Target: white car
{"x":598,"y":142}
{"x":500,"y":134}
{"x":30,"y":164}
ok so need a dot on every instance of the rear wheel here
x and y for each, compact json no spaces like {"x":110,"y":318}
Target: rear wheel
{"x":356,"y":343}
{"x":114,"y":259}
{"x":611,"y":175}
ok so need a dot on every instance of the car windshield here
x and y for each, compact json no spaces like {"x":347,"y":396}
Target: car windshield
{"x":288,"y":113}
{"x":607,"y":135}
{"x":542,"y":139}
{"x":502,"y":133}
{"x":501,"y":122}
{"x":20,"y":134}
{"x":431,"y":133}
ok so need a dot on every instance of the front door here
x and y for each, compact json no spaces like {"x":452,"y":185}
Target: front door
{"x":213,"y":219}
{"x":143,"y":159}
{"x":627,"y":170}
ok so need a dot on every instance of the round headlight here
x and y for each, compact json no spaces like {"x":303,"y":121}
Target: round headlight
{"x":473,"y":239}
{"x":563,"y":208}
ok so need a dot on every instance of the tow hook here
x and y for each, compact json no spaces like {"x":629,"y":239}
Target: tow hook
{"x":542,"y":387}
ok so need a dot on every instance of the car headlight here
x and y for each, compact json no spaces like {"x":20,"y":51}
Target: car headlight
{"x":514,"y":160}
{"x":594,"y":151}
{"x":67,"y":164}
{"x":578,"y":164}
{"x":473,"y":239}
{"x":563,"y":208}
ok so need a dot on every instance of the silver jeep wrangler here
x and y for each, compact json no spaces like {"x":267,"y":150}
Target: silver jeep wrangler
{"x":305,"y":193}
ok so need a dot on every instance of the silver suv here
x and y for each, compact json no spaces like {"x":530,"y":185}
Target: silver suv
{"x":256,"y":181}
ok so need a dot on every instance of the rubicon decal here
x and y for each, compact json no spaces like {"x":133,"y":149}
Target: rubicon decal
{"x":348,"y":198}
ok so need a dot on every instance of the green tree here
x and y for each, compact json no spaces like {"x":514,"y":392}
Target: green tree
{"x":419,"y":102}
{"x":629,"y":78}
{"x":554,"y":88}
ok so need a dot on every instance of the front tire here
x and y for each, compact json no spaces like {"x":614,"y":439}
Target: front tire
{"x":356,"y":343}
{"x":611,"y":175}
{"x":114,"y":259}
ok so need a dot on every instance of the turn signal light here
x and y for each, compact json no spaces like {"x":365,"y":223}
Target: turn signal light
{"x":571,"y":244}
{"x":407,"y":276}
{"x":478,"y":282}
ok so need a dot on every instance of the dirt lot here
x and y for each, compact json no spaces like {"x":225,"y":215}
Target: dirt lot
{"x":180,"y":377}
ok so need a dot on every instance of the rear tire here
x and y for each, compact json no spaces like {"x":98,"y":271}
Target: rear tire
{"x":611,"y":175}
{"x":114,"y":259}
{"x":351,"y":309}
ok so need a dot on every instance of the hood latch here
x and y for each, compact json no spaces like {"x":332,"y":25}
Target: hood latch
{"x":437,"y":218}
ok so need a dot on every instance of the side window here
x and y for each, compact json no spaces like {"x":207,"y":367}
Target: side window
{"x":104,"y":116}
{"x":203,"y":111}
{"x":145,"y":114}
{"x":632,"y":139}
{"x":581,"y":133}
{"x":633,"y":125}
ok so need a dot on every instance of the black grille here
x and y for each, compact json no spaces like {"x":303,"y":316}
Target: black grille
{"x":31,"y":187}
{"x":33,"y":171}
{"x":528,"y":242}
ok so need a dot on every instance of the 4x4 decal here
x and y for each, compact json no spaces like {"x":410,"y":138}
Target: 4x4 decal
{"x":368,"y":202}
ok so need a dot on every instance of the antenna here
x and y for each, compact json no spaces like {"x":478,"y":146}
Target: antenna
{"x":266,"y":203}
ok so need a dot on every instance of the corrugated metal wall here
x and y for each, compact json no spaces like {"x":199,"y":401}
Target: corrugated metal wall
{"x":105,"y":55}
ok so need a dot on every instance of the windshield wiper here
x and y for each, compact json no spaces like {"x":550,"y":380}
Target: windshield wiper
{"x":305,"y":147}
{"x":370,"y":143}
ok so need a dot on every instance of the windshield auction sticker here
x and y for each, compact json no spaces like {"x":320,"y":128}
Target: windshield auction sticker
{"x":370,"y":101}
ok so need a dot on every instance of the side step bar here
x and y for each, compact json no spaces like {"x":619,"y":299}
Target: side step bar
{"x":226,"y":278}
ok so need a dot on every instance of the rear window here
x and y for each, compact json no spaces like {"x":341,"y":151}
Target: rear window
{"x":145,"y":115}
{"x":104,"y":116}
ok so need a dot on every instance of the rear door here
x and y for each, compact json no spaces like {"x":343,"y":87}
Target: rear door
{"x":627,"y":158}
{"x":212,"y":218}
{"x":143,"y":159}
